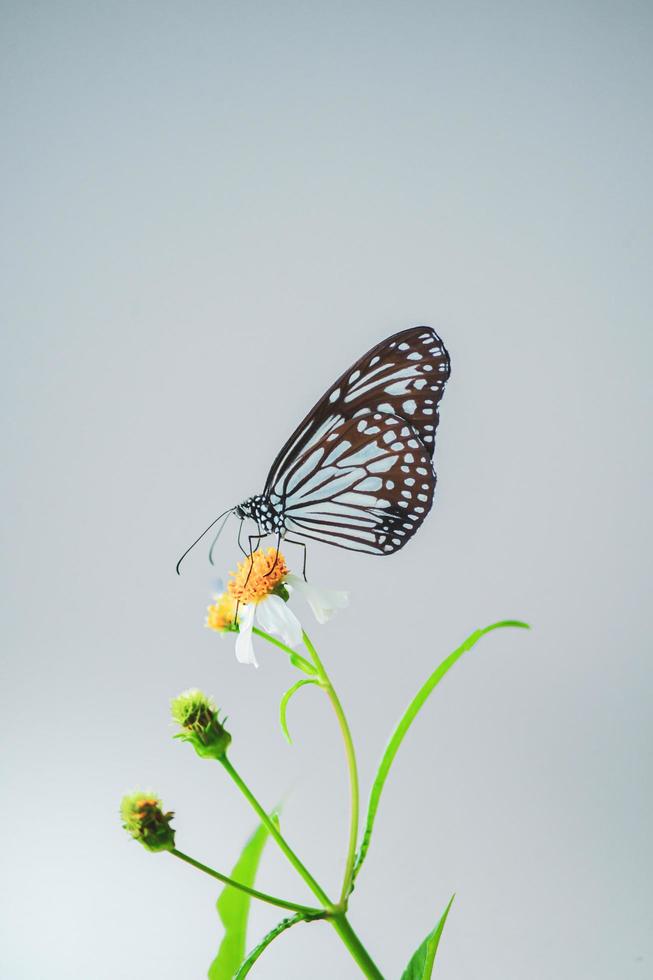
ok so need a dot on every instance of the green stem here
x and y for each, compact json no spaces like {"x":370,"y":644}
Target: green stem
{"x":262,"y":896}
{"x":294,"y":656}
{"x":351,"y":765}
{"x":264,"y":817}
{"x":337,"y":918}
{"x":355,"y":946}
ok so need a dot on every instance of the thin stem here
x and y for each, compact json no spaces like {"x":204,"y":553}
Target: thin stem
{"x":335,"y":915}
{"x":262,"y":896}
{"x":351,"y":765}
{"x":282,"y":646}
{"x":355,"y":947}
{"x":264,"y":817}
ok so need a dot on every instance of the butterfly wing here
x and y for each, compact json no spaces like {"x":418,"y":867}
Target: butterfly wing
{"x":403,"y":376}
{"x":367,"y":486}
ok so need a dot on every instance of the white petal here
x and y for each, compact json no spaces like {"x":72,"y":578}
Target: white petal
{"x":323,"y":602}
{"x":275,"y":617}
{"x":244,"y":645}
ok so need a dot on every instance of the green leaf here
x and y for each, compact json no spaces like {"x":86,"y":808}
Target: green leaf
{"x":233,"y":909}
{"x":284,"y":704}
{"x":247,"y":964}
{"x":407,"y":720}
{"x":421,"y":963}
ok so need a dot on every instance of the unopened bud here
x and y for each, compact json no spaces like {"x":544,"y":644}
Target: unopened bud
{"x":143,"y":818}
{"x":197,"y":716}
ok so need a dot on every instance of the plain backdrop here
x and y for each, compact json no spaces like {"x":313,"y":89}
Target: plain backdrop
{"x":209,"y":210}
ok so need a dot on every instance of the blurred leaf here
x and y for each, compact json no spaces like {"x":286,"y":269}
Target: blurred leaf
{"x":233,"y":909}
{"x":407,"y":720}
{"x":421,"y":964}
{"x":247,"y":965}
{"x":284,"y":704}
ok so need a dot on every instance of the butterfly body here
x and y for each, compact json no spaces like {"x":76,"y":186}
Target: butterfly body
{"x":260,"y":508}
{"x":358,"y":472}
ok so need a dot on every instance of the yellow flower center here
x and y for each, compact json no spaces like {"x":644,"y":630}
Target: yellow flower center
{"x":257,"y":576}
{"x":221,"y":616}
{"x":144,"y":806}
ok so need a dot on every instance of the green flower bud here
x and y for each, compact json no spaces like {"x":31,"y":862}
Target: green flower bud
{"x":197,"y":715}
{"x":281,"y":590}
{"x":143,"y":818}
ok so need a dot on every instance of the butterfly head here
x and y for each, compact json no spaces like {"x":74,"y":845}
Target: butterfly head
{"x":244,"y":509}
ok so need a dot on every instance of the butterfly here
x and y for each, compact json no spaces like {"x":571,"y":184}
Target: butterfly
{"x":358,"y":472}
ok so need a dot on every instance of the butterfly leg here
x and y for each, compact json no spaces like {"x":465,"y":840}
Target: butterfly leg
{"x":300,"y":544}
{"x":276,"y":556}
{"x":240,"y":545}
{"x":248,"y":554}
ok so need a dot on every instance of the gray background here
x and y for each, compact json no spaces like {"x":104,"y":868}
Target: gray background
{"x":209,"y":210}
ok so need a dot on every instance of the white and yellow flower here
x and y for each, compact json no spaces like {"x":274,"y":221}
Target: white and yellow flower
{"x":258,"y":592}
{"x":323,"y":602}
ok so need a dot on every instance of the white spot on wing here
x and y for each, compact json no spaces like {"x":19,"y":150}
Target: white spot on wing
{"x":357,"y":499}
{"x":382,"y":465}
{"x":370,"y":483}
{"x":398,"y":387}
{"x":370,"y":451}
{"x":337,"y":452}
{"x":307,"y":466}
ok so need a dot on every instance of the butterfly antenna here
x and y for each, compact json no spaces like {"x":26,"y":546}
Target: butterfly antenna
{"x":220,"y":530}
{"x":197,"y":540}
